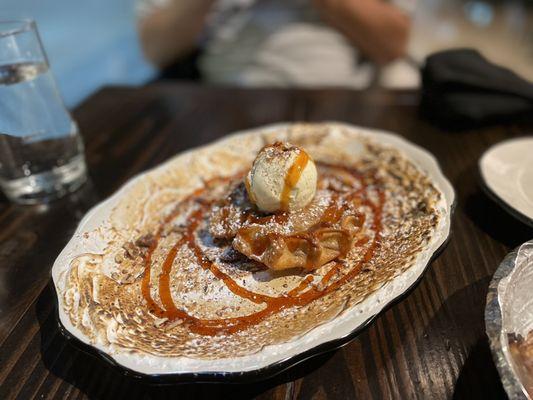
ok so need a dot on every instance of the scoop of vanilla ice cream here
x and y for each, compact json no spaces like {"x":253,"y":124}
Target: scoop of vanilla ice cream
{"x":283,"y":178}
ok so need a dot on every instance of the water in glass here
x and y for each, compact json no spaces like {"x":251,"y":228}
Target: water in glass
{"x":41,"y":153}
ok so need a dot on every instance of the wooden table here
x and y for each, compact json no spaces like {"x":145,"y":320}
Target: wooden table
{"x":430,"y":345}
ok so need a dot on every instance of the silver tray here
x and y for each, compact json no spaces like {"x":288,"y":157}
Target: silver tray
{"x":509,"y":311}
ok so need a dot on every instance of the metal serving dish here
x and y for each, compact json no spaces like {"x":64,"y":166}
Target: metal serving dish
{"x":509,"y":313}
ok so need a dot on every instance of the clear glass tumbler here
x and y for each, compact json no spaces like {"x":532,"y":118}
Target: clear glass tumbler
{"x":41,"y":151}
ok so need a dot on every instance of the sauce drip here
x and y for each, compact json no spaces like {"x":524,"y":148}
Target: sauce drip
{"x":291,"y":179}
{"x":298,"y":296}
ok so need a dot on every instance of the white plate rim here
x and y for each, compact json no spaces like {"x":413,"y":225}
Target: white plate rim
{"x":494,"y":192}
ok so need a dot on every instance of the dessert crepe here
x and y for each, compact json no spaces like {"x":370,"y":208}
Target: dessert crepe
{"x":172,"y":274}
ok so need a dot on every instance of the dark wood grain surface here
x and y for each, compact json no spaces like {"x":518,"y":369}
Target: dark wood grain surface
{"x":430,"y":345}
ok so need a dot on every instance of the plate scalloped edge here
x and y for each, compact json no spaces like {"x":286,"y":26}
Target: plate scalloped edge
{"x":499,"y":195}
{"x":340,"y":327}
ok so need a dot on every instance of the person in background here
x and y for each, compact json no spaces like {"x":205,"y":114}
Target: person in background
{"x":277,"y":42}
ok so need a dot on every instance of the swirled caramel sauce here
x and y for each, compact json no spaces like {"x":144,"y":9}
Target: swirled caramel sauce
{"x":334,"y":216}
{"x":176,"y":286}
{"x":292,"y":177}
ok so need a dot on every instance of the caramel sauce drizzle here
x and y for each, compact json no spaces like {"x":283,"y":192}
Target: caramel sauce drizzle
{"x":295,"y":297}
{"x":291,"y":179}
{"x":302,"y":286}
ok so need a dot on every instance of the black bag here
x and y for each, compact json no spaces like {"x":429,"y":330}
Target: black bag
{"x":461,"y":89}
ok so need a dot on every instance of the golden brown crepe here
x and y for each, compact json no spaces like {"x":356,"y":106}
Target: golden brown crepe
{"x":307,"y":238}
{"x":171,"y":282}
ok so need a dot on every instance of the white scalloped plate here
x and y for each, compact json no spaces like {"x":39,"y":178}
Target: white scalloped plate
{"x":270,"y":359}
{"x":507,"y":171}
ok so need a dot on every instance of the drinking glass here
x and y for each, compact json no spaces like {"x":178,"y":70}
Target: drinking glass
{"x":41,"y":151}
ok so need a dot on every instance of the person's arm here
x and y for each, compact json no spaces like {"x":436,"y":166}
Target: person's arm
{"x":378,"y":29}
{"x":166,"y":33}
